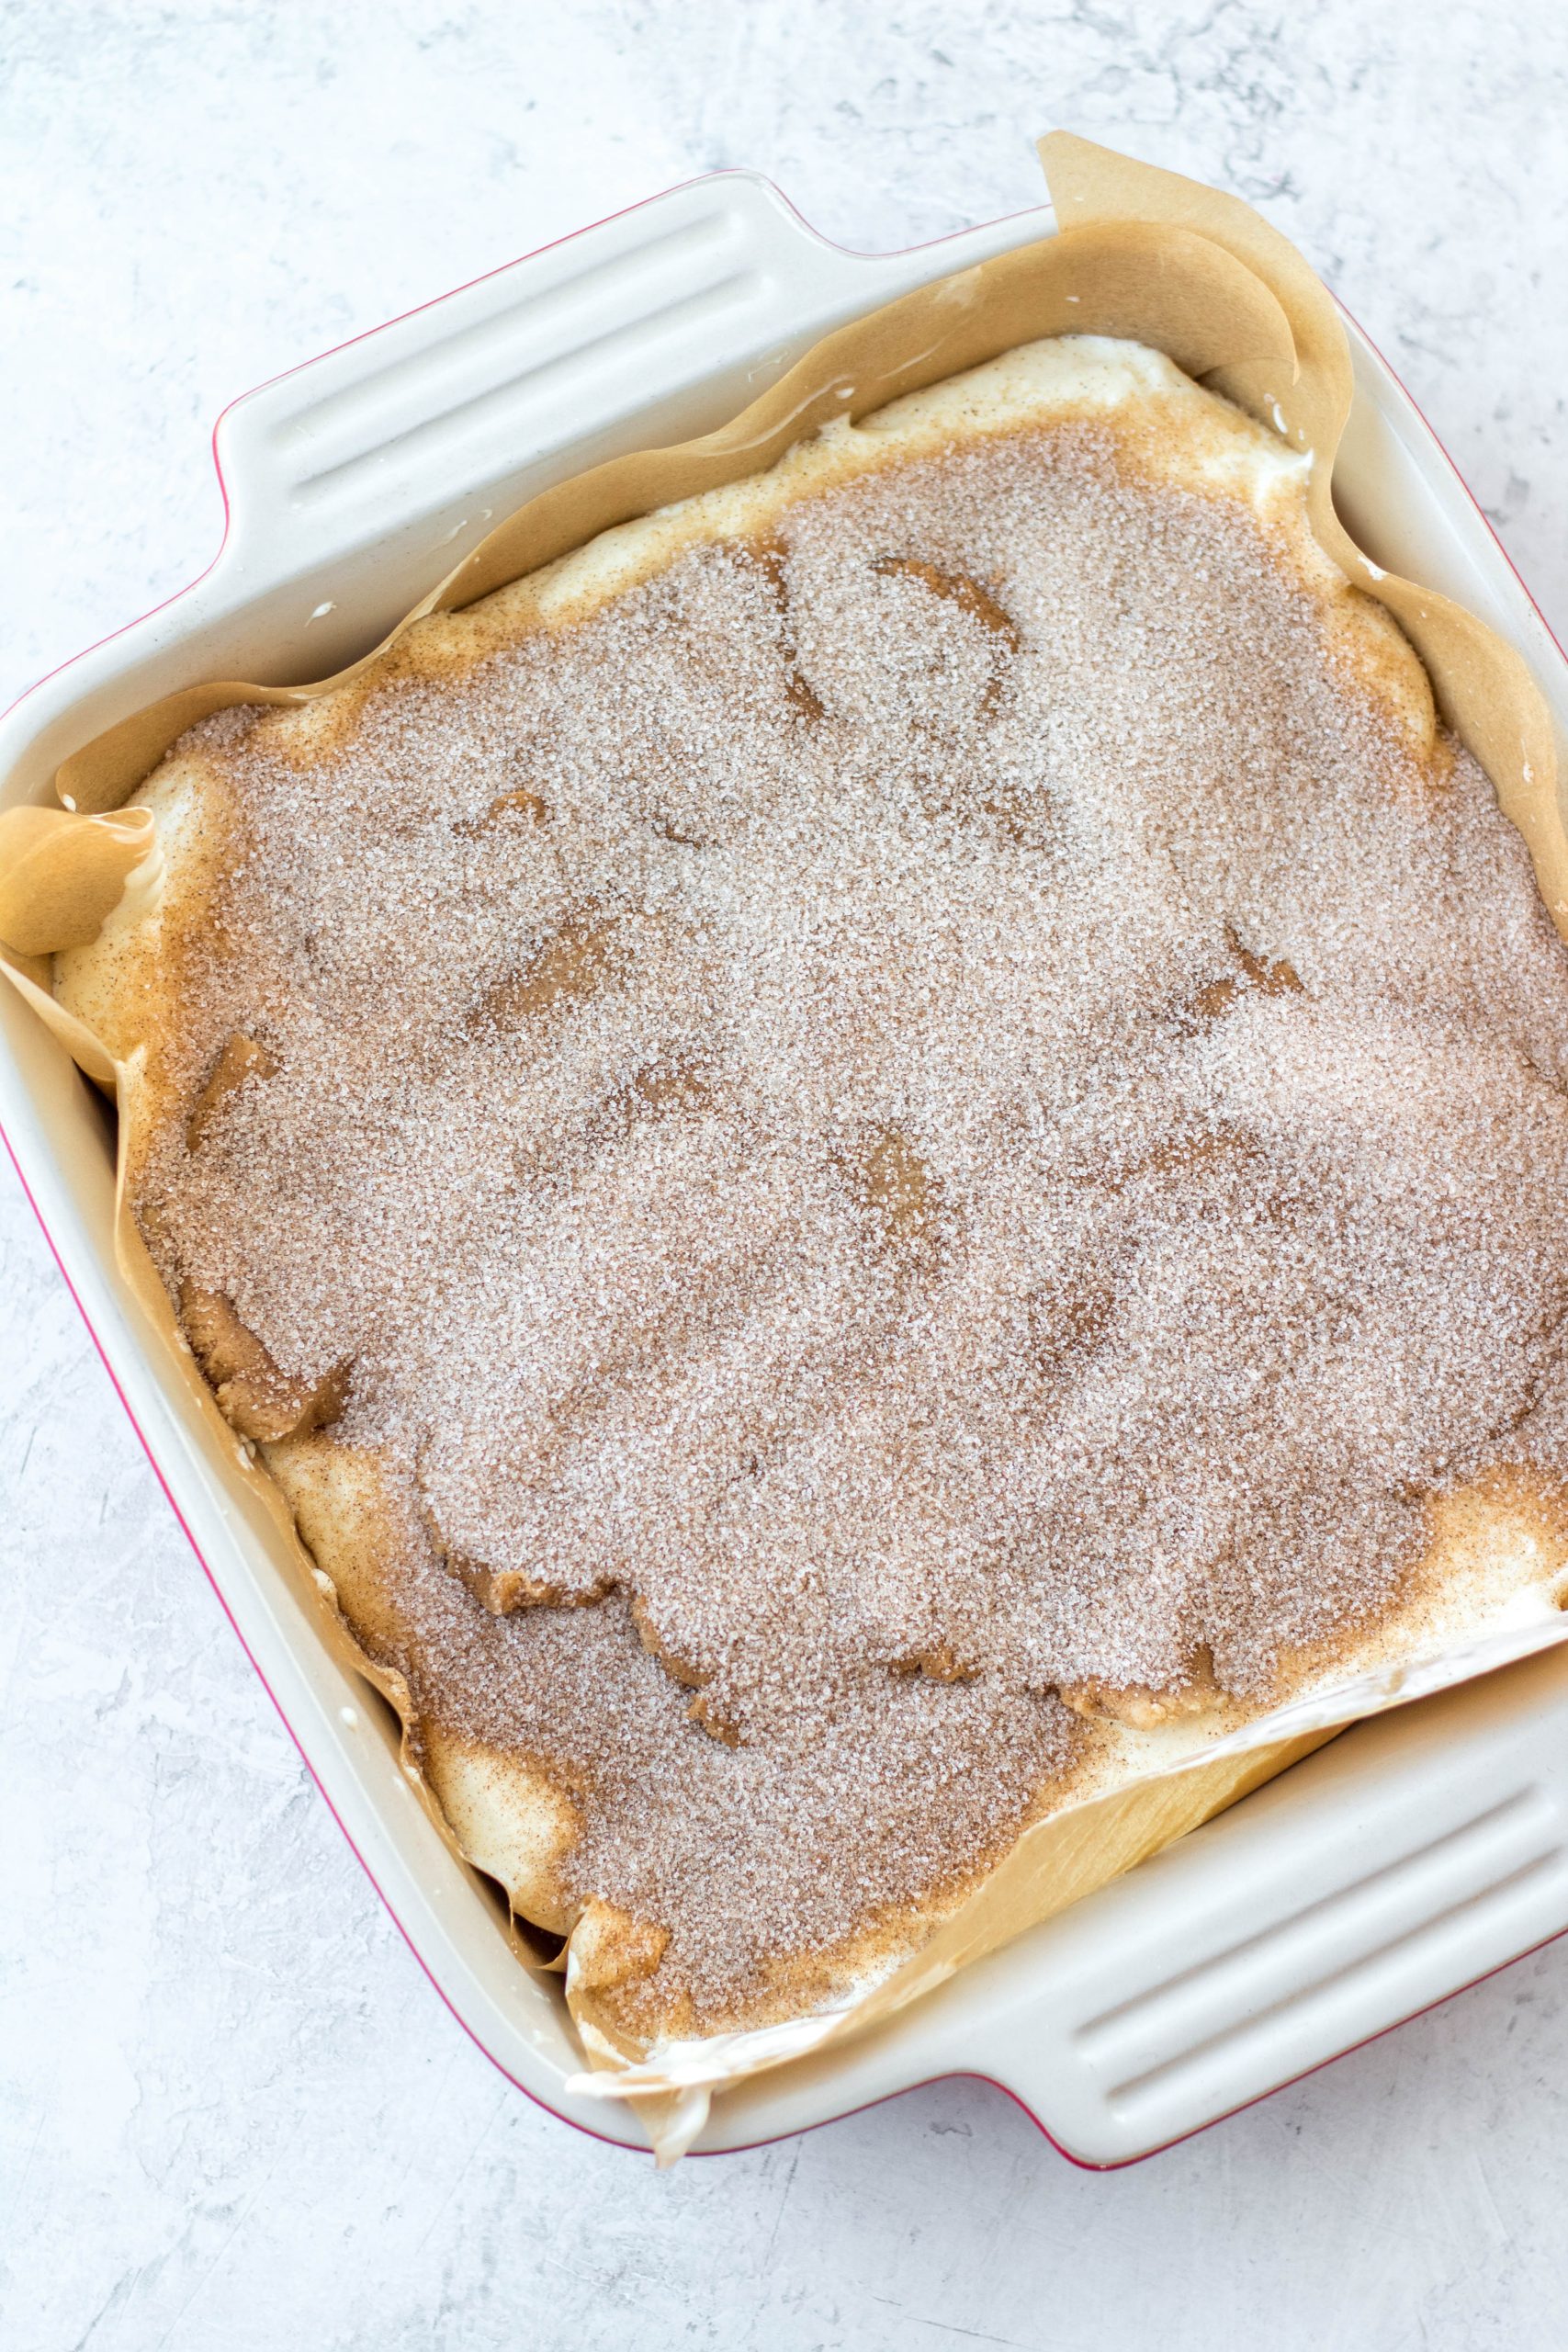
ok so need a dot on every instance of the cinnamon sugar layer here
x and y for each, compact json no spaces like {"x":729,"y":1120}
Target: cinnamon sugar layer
{"x":933,"y":1110}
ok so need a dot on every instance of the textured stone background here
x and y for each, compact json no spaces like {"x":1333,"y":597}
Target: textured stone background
{"x":232,"y":2111}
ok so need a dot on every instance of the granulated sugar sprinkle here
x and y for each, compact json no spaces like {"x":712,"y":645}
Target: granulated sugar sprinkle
{"x":927,"y":1114}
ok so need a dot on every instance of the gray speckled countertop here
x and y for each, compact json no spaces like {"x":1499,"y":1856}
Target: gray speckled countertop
{"x":232,"y":2113}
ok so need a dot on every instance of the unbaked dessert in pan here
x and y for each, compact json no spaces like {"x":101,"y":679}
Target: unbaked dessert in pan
{"x":889,"y":1129}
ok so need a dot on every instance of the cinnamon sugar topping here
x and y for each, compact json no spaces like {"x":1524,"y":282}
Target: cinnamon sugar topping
{"x":931,"y":1113}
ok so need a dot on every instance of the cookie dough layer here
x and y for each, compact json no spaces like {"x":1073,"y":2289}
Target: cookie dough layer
{"x":888,"y":1129}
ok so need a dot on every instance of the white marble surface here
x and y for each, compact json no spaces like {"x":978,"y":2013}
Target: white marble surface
{"x":232,"y":2111}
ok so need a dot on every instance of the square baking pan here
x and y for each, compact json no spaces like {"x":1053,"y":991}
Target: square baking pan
{"x":1414,"y":1854}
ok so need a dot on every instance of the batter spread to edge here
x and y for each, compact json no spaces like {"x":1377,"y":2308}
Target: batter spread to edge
{"x":931,"y":1120}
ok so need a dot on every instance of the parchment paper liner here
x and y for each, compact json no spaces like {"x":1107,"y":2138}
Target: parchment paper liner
{"x":1141,"y":254}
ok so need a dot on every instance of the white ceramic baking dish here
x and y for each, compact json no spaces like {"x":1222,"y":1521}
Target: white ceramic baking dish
{"x":1414,"y":1854}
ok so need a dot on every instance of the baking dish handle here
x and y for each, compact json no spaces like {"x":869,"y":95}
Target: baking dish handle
{"x":437,"y":425}
{"x":1416,"y":1853}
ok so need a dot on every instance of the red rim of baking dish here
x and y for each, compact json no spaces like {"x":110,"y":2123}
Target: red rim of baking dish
{"x":960,"y":2073}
